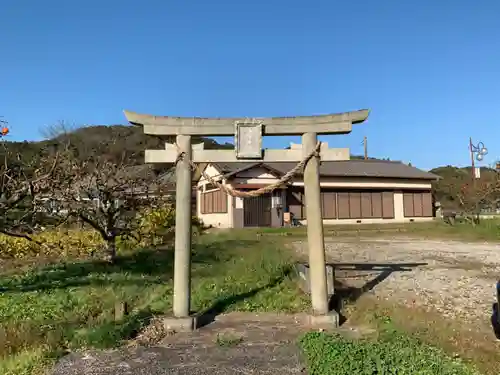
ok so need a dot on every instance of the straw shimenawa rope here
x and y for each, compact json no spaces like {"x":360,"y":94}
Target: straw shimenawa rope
{"x":255,"y":193}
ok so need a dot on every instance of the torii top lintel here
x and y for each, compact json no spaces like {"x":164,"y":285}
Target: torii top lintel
{"x":339,"y":123}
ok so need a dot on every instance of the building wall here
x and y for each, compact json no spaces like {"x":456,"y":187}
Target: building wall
{"x":210,"y":171}
{"x":259,"y":177}
{"x":363,"y":183}
{"x":398,"y":207}
{"x":217,"y":220}
{"x":398,"y":217}
{"x":234,"y":217}
{"x":238,"y":213}
{"x":397,"y":186}
{"x":255,"y":176}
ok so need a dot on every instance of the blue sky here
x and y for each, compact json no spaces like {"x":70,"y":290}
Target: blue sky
{"x":428,"y":70}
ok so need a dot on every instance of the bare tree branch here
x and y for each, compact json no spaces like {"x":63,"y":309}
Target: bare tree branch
{"x":107,"y":195}
{"x":21,"y":184}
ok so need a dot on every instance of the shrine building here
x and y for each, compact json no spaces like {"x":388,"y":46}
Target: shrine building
{"x":352,"y":191}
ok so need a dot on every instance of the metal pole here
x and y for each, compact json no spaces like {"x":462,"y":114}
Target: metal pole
{"x":365,"y":142}
{"x":473,"y":166}
{"x":315,"y":238}
{"x":182,"y":263}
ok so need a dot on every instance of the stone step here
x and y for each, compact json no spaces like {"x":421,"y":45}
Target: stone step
{"x":249,"y":358}
{"x":234,"y":343}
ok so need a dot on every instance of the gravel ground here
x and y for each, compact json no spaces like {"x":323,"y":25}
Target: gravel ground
{"x":458,"y":279}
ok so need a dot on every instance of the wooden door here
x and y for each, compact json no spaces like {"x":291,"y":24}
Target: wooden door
{"x":257,"y":211}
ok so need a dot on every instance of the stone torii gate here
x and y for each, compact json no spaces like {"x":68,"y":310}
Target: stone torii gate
{"x":248,"y":133}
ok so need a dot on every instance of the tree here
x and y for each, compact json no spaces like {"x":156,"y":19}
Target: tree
{"x":448,"y":189}
{"x":23,"y":183}
{"x":478,"y":196}
{"x":58,"y":130}
{"x":107,"y":195}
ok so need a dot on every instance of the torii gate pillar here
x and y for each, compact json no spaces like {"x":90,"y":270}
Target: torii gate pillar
{"x":248,"y":143}
{"x":183,"y":236}
{"x":315,"y":236}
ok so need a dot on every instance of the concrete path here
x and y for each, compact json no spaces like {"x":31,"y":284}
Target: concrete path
{"x":235,"y":343}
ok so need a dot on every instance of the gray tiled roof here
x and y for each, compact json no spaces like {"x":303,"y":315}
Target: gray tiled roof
{"x":346,"y":168}
{"x":230,"y":168}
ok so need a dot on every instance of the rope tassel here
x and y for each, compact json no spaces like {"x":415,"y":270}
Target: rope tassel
{"x":265,"y":190}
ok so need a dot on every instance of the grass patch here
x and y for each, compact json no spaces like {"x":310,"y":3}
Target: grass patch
{"x":391,"y":352}
{"x":49,"y":310}
{"x":228,"y":341}
{"x":474,"y":344}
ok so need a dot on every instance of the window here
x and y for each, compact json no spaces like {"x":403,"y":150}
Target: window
{"x":365,"y":205}
{"x":360,"y":204}
{"x":417,"y":204}
{"x":213,"y":202}
{"x":329,"y":204}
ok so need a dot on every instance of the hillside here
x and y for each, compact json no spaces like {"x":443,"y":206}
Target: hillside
{"x":112,"y":141}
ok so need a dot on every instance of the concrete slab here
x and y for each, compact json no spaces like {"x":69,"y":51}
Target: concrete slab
{"x":265,"y":344}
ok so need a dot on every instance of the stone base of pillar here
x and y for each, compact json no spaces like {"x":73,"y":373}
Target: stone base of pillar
{"x":174,"y":324}
{"x":303,"y":271}
{"x":190,"y":323}
{"x":328,"y":321}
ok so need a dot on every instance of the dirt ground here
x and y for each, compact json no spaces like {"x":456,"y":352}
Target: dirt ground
{"x":456,"y":279}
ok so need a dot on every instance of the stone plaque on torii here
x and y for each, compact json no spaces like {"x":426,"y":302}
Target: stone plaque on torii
{"x":248,"y":133}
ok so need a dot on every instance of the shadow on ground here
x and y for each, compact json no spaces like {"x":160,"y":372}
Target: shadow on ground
{"x":149,"y":265}
{"x":220,"y":306}
{"x":113,"y":332}
{"x":346,"y":294}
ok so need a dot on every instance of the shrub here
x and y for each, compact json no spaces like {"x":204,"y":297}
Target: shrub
{"x":156,"y":227}
{"x":57,"y":242}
